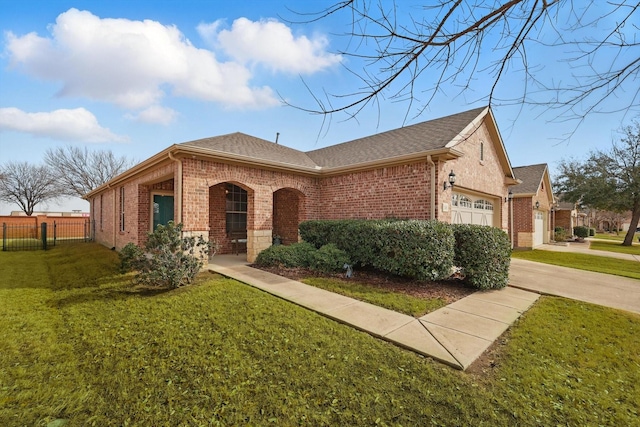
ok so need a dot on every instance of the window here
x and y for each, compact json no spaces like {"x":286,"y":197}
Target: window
{"x":465,"y":202}
{"x":121,"y":208}
{"x":483,"y":204}
{"x":236,"y":208}
{"x":101,"y":211}
{"x":454,"y":200}
{"x":481,"y":151}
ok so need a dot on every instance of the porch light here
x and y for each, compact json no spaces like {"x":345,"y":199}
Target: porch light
{"x":509,"y":197}
{"x":537,"y":204}
{"x":452,"y":180}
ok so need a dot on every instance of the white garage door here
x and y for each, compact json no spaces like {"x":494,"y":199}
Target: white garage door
{"x":538,"y":229}
{"x":465,"y":209}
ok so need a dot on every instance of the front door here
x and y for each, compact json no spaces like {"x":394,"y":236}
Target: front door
{"x":162,"y":209}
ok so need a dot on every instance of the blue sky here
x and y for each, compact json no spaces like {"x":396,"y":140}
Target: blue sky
{"x":137,"y":76}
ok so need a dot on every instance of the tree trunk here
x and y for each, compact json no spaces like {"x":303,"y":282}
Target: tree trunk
{"x":628,"y":239}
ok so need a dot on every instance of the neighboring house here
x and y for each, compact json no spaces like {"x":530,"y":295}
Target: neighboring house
{"x":238,"y":185}
{"x":532,"y":199}
{"x":565,"y":215}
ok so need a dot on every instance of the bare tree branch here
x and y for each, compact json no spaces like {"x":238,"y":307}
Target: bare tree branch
{"x":453,"y":42}
{"x":80,"y":171}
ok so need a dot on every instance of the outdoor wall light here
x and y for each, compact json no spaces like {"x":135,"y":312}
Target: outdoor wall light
{"x":452,"y":180}
{"x":537,"y":204}
{"x":509,"y":197}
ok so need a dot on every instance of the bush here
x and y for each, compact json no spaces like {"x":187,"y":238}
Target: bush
{"x":559,"y":234}
{"x":483,"y":254}
{"x":581,"y":231}
{"x":130,"y":257}
{"x":295,"y":255}
{"x":168,"y":260}
{"x":329,"y":259}
{"x":411,"y":248}
{"x":421,"y":250}
{"x":592,"y":232}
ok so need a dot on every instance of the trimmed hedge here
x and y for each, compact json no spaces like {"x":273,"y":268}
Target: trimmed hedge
{"x":484,"y":254}
{"x":423,"y":250}
{"x":418,"y":249}
{"x":581,"y":231}
{"x":295,"y":255}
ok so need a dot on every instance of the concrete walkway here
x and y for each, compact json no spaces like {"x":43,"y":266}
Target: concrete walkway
{"x":456,"y":334}
{"x":597,"y":288}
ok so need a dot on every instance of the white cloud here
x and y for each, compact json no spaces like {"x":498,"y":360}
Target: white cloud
{"x":65,"y":125}
{"x":272,"y":44}
{"x":155,"y":114}
{"x":131,"y":63}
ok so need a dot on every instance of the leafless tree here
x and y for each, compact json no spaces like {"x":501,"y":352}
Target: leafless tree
{"x":80,"y":171}
{"x":27,"y":185}
{"x":448,"y":45}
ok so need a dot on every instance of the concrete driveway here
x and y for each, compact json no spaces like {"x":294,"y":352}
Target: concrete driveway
{"x":597,"y":288}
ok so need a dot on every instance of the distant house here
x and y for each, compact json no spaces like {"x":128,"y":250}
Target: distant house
{"x":532,"y":200}
{"x":239,"y":185}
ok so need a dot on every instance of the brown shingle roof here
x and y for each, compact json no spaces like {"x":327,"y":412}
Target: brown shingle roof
{"x":418,"y":138}
{"x":413,"y":139}
{"x":241,"y":144}
{"x":531,"y":176}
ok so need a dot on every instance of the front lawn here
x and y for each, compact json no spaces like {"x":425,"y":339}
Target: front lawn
{"x":82,"y":344}
{"x":614,"y":246}
{"x":598,"y":264}
{"x":613,"y":236}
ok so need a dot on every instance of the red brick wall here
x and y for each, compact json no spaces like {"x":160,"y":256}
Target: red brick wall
{"x":287,"y":206}
{"x":563,"y":219}
{"x":522,"y":218}
{"x":396,"y":191}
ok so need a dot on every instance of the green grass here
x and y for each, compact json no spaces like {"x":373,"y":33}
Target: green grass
{"x":80,"y":343}
{"x":612,"y":236}
{"x":402,"y":303}
{"x":615,"y":246}
{"x":599,"y":264}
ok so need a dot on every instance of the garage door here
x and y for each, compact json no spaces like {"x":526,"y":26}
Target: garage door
{"x":465,"y":209}
{"x":538,"y":230}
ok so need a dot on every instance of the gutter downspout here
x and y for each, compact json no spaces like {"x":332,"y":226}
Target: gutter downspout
{"x":178,"y":188}
{"x":433,"y":186}
{"x":115,"y":216}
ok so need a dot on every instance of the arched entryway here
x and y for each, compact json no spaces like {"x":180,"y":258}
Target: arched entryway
{"x":288,"y":207}
{"x":230,"y":215}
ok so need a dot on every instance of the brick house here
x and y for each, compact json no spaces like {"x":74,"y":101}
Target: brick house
{"x":225,"y":185}
{"x":532,"y":199}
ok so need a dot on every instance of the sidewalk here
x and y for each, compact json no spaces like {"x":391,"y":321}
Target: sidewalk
{"x":456,"y":334}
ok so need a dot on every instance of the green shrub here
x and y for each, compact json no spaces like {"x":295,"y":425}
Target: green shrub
{"x":329,"y":259}
{"x":130,"y":257}
{"x":421,"y":250}
{"x":581,"y":231}
{"x":295,"y":255}
{"x":168,"y":259}
{"x":592,"y":232}
{"x":559,"y":234}
{"x":483,"y":254}
{"x":411,"y":248}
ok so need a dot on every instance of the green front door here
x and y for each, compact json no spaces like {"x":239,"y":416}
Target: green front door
{"x":162,"y":210}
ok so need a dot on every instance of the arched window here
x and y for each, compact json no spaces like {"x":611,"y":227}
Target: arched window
{"x":465,"y":202}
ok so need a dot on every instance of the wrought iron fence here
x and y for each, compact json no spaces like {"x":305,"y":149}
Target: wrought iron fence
{"x":21,"y":237}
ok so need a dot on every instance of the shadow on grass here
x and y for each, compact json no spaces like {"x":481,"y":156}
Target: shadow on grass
{"x":123,"y":288}
{"x":127,"y":290}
